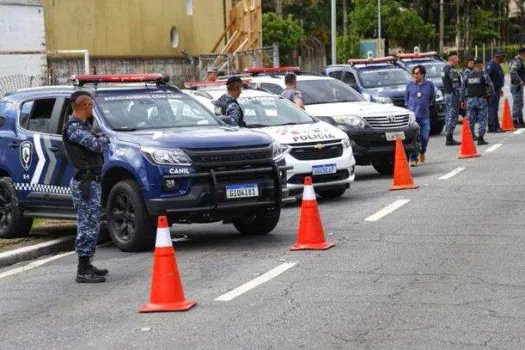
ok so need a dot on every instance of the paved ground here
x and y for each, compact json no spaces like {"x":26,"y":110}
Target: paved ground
{"x":446,"y":270}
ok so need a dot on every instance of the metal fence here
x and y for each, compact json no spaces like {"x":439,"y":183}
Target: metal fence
{"x":20,"y":81}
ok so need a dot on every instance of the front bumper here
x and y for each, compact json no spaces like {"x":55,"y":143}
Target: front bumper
{"x":437,"y":113}
{"x":207,"y":195}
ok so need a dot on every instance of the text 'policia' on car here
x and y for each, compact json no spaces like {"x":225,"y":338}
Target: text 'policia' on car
{"x":168,"y":155}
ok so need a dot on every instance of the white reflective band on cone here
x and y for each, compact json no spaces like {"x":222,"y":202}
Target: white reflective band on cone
{"x":163,"y":237}
{"x":308,"y":193}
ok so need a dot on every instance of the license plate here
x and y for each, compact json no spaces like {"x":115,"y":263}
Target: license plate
{"x":242,"y":191}
{"x":324,"y":169}
{"x":391,"y":136}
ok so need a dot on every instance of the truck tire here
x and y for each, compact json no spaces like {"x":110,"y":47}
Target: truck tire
{"x":12,"y":223}
{"x":130,"y":227}
{"x":385,"y":167}
{"x":437,"y":128}
{"x":260,"y":223}
{"x":331,"y":192}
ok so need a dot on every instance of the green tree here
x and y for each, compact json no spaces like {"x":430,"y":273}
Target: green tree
{"x":286,"y":33}
{"x":347,"y":47}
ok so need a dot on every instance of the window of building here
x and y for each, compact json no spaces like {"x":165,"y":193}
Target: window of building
{"x":189,"y":7}
{"x":174,"y":35}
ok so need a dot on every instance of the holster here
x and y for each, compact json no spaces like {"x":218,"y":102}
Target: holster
{"x":85,"y":177}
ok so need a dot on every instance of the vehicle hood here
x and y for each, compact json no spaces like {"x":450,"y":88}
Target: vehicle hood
{"x":195,"y":138}
{"x":437,"y":82}
{"x":361,"y":109}
{"x":290,"y":134}
{"x":387,"y":91}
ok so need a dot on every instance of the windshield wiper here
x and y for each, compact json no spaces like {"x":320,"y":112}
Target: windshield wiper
{"x":257,"y":125}
{"x":125,"y":129}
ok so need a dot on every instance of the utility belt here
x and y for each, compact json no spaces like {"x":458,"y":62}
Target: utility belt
{"x":88,"y":175}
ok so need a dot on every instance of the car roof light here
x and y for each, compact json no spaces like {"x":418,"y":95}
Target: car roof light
{"x":371,"y":60}
{"x":222,"y":82}
{"x":417,"y":55}
{"x":118,"y":78}
{"x":272,"y":69}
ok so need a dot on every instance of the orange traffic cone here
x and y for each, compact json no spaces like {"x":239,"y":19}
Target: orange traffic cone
{"x":507,"y":123}
{"x":402,"y":178}
{"x":166,"y":287}
{"x":467,"y":148}
{"x":311,"y":233}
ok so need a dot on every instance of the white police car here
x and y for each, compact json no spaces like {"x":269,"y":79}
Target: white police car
{"x":312,"y":147}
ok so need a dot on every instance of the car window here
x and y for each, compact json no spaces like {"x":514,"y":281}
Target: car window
{"x":349,"y":78}
{"x":327,"y":91}
{"x":273,"y":88}
{"x":4,"y":106}
{"x":261,"y":111}
{"x":153,"y":111}
{"x":36,"y":115}
{"x":433,"y":68}
{"x":371,"y":78}
{"x":336,"y":74}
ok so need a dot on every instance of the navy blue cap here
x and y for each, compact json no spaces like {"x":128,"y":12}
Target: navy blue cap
{"x":478,"y":60}
{"x":522,"y":50}
{"x":452,"y":53}
{"x":471,"y":58}
{"x":499,"y":53}
{"x":233,"y":80}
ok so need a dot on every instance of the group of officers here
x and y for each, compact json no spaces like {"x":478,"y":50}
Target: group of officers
{"x":477,"y":91}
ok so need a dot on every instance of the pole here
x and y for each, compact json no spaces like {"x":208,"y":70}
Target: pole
{"x":345,"y":18}
{"x":441,"y":25}
{"x":334,"y":58}
{"x":483,"y":53}
{"x":476,"y":50}
{"x":378,"y":27}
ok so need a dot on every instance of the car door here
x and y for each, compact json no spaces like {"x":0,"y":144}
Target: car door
{"x":42,"y":182}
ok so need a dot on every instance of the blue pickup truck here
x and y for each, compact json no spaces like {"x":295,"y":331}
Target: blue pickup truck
{"x":168,"y":155}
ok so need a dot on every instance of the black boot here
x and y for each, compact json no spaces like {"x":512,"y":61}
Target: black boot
{"x":98,"y":272}
{"x":519,"y":124}
{"x":481,"y":141}
{"x":84,"y":272}
{"x":451,"y":141}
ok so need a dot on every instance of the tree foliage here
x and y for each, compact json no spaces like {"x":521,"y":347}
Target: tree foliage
{"x":286,"y":33}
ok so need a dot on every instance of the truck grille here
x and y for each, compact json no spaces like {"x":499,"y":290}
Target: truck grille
{"x":388,"y":122}
{"x":298,"y":179}
{"x":321,"y":150}
{"x":234,"y":156}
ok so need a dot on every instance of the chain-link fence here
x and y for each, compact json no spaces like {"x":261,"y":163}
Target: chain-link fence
{"x":20,"y":81}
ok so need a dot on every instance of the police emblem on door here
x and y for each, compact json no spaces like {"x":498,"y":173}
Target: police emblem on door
{"x":26,"y":154}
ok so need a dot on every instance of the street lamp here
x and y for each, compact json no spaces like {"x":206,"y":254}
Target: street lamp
{"x":378,"y":26}
{"x":334,"y":61}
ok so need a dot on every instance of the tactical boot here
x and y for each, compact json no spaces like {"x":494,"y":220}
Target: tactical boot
{"x":84,"y":272}
{"x":98,"y":272}
{"x":452,"y":142}
{"x":481,"y":141}
{"x":519,"y":124}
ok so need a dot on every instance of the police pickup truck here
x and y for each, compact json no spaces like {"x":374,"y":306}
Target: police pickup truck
{"x":381,"y":80}
{"x":371,"y":127}
{"x":168,"y":155}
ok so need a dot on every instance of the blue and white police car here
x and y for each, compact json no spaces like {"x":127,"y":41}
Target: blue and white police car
{"x":310,"y":146}
{"x":168,"y":155}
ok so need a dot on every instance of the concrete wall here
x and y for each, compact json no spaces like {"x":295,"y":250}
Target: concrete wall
{"x":133,"y":28}
{"x":22,"y":29}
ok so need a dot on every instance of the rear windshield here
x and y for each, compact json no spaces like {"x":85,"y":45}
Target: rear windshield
{"x":383,"y":77}
{"x":264,"y":111}
{"x":327,"y":91}
{"x":153,"y":111}
{"x":433,"y":68}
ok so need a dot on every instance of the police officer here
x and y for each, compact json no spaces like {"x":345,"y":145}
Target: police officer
{"x":495,"y":72}
{"x":290,"y":92}
{"x":211,"y":74}
{"x":228,"y":105}
{"x":84,"y":150}
{"x":517,"y":79}
{"x":452,"y":85}
{"x":477,"y":88}
{"x":464,"y":75}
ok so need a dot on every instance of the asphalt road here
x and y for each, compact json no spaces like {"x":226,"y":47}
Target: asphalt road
{"x":445,"y":270}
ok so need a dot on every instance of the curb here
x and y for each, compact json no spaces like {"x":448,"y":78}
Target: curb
{"x":35,"y":251}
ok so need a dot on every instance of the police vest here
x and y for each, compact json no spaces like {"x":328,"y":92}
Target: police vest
{"x":521,"y":71}
{"x":476,"y":85}
{"x":448,"y":83}
{"x":241,"y":119}
{"x":80,"y":157}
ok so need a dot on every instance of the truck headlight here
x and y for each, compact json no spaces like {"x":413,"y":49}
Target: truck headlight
{"x":353,"y":121}
{"x":346,"y":143}
{"x":277,"y":151}
{"x":411,"y":117}
{"x":439,"y":96}
{"x":172,"y":156}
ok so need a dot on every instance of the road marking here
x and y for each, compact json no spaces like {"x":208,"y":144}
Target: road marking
{"x":256,"y":282}
{"x":493,"y":148}
{"x":33,"y":264}
{"x":452,"y":173}
{"x":387,"y":210}
{"x":519,"y":131}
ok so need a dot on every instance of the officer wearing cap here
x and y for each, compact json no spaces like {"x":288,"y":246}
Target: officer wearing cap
{"x":85,"y":149}
{"x":517,"y":78}
{"x":211,"y":74}
{"x":495,"y":72}
{"x":290,"y":92}
{"x":452,"y":84}
{"x":228,"y":105}
{"x":464,"y":75}
{"x":477,"y":88}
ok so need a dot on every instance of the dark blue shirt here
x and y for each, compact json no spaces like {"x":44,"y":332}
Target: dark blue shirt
{"x":419,"y":98}
{"x":496,"y":74}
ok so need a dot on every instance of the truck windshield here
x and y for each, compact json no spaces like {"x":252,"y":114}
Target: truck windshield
{"x":433,"y":68}
{"x":320,"y":91}
{"x":264,"y":111}
{"x":153,"y":111}
{"x":373,"y":78}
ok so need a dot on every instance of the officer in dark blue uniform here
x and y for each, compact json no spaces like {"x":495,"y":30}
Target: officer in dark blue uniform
{"x":452,"y":85}
{"x":477,"y":88}
{"x":464,"y":75}
{"x":517,"y":79}
{"x":228,"y":105}
{"x":84,"y":150}
{"x":495,"y":72}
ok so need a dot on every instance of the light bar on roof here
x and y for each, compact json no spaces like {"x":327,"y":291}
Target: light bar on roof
{"x":118,"y":78}
{"x":197,"y":84}
{"x":371,"y":60}
{"x":272,"y":69}
{"x":417,"y":55}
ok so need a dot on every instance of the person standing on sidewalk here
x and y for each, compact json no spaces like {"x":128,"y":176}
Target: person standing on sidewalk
{"x":84,"y":149}
{"x":452,"y":85}
{"x":419,"y":96}
{"x":517,"y":79}
{"x":496,"y":75}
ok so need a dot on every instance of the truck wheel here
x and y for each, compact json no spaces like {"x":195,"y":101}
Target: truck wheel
{"x":259,"y":223}
{"x":437,"y":128}
{"x":130,"y":227}
{"x":332,"y":192}
{"x":385,"y":167}
{"x":12,"y":223}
